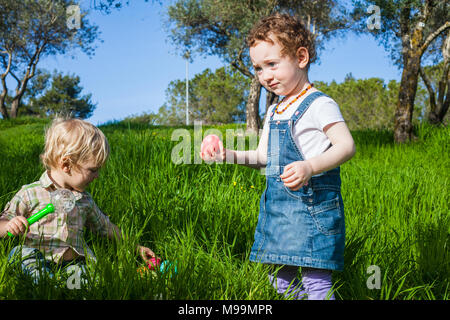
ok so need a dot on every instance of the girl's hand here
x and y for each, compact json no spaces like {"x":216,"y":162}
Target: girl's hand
{"x":145,"y":253}
{"x":296,"y":174}
{"x":209,"y":154}
{"x":17,"y":225}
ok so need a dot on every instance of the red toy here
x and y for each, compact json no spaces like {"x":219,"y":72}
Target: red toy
{"x":154,"y":263}
{"x":210,"y":144}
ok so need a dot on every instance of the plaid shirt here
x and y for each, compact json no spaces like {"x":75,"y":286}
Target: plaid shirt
{"x":54,"y":234}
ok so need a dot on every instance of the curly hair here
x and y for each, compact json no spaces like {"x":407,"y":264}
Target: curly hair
{"x":74,"y":139}
{"x":288,"y":31}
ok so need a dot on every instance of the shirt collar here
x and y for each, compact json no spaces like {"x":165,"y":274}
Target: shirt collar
{"x":46,"y":182}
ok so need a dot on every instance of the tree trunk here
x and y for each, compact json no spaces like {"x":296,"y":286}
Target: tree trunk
{"x":407,"y":93}
{"x":413,"y":47}
{"x":252,"y":112}
{"x":439,"y":109}
{"x":271,"y":98}
{"x":15,"y":107}
{"x":444,"y":106}
{"x":2,"y":106}
{"x":19,"y":94}
{"x":3,"y":96}
{"x":433,"y":118}
{"x":4,"y":93}
{"x":15,"y":104}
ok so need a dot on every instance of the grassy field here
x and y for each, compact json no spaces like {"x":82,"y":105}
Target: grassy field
{"x":203,"y":216}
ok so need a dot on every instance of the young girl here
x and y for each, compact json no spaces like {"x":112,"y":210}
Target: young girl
{"x":303,"y":142}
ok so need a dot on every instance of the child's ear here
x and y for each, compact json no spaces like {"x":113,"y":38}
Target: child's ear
{"x":302,"y":57}
{"x":65,"y":165}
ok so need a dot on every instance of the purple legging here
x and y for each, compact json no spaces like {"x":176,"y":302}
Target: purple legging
{"x":315,"y":284}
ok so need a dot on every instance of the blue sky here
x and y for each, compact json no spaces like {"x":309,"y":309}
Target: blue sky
{"x":134,"y":64}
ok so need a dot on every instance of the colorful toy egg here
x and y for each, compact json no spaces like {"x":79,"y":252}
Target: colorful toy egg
{"x":154,"y":263}
{"x":167,"y":266}
{"x":211,"y":142}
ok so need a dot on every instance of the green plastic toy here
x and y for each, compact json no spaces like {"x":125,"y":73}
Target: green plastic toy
{"x":49,"y":208}
{"x":62,"y":200}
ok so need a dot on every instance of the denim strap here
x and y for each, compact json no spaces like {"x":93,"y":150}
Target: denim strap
{"x":305,"y":105}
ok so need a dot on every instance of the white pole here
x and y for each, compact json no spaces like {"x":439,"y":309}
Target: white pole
{"x":187,"y":89}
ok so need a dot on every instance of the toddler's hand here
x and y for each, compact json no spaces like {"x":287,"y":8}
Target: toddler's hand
{"x":296,"y":174}
{"x":210,"y":154}
{"x":146,"y":253}
{"x":17,"y":225}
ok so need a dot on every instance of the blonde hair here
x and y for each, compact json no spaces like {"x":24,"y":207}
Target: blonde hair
{"x":76,"y":140}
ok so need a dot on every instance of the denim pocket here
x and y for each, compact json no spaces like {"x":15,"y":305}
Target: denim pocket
{"x":302,"y":193}
{"x":327,"y":216}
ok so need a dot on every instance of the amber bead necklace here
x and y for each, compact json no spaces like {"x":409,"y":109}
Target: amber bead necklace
{"x":295,"y":99}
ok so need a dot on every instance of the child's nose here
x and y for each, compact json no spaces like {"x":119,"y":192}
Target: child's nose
{"x":267,"y":75}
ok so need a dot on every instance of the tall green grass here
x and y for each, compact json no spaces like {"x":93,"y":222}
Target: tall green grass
{"x":203,"y":217}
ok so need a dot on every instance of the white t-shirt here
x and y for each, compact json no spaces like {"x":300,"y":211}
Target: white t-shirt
{"x":308,"y":131}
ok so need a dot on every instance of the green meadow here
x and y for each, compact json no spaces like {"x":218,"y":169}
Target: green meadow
{"x":203,"y":217}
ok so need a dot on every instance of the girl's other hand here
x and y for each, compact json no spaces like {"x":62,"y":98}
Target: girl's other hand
{"x":296,"y":174}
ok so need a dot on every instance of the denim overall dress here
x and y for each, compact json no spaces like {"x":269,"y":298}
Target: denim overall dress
{"x":304,"y":227}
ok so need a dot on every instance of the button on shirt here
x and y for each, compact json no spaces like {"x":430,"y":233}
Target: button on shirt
{"x":59,"y":231}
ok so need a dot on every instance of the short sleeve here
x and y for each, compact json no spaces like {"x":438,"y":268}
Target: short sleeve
{"x":267,"y":115}
{"x":327,"y":112}
{"x":16,"y":207}
{"x":97,"y":221}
